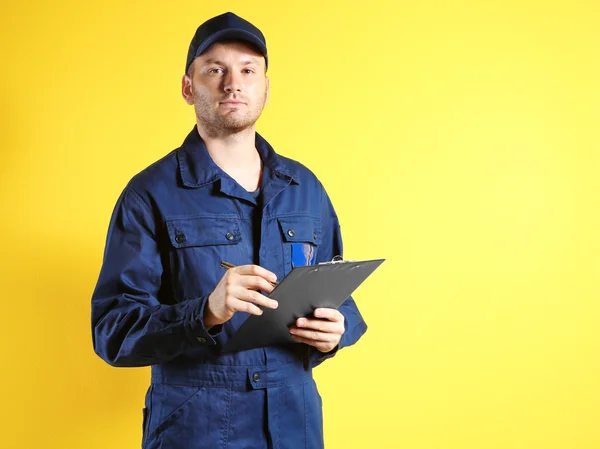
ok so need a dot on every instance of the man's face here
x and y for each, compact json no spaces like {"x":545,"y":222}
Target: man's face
{"x":228,"y":87}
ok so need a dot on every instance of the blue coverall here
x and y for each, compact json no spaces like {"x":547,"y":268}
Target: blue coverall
{"x":171,"y":227}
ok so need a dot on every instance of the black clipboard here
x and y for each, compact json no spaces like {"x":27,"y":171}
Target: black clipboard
{"x":303,"y":290}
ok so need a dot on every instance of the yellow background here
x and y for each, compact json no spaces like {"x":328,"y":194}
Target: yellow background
{"x":457,"y":139}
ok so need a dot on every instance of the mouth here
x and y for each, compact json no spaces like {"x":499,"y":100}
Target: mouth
{"x":232,"y":103}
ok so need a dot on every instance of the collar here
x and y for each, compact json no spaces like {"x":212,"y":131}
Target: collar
{"x":197,"y":168}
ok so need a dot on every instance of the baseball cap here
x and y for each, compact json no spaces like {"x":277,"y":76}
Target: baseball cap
{"x":225,"y":27}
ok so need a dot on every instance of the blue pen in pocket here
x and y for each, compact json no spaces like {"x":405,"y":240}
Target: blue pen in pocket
{"x":303,"y":254}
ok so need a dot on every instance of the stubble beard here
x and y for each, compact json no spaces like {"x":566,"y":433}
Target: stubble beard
{"x":231,"y":123}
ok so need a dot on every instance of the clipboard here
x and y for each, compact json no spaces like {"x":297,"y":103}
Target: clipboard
{"x":299,"y":293}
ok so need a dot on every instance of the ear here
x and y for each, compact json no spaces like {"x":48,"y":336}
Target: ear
{"x":186,"y":89}
{"x":267,"y":92}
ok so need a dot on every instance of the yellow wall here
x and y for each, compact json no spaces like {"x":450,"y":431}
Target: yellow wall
{"x":458,"y":139}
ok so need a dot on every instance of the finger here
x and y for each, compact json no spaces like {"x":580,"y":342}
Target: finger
{"x":256,"y":270}
{"x":256,"y":283}
{"x":247,"y":282}
{"x":329,"y":314}
{"x":238,"y":305}
{"x":321,"y":346}
{"x":256,"y":298}
{"x":318,"y":325}
{"x":312,"y":335}
{"x":306,"y":340}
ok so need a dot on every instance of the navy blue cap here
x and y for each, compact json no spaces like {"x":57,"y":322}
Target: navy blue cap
{"x":226,"y":27}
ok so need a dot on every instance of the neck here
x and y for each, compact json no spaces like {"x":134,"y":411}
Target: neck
{"x":236,"y":155}
{"x":234,"y":151}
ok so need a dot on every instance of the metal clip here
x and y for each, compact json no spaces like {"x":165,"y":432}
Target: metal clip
{"x":336,"y":259}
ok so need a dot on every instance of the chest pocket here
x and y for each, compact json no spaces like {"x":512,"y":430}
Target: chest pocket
{"x":301,"y":236}
{"x":198,"y":245}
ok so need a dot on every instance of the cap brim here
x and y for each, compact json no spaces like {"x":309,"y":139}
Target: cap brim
{"x":232,"y":34}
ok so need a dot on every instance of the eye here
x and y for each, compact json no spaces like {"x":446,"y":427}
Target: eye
{"x":248,"y":71}
{"x":215,"y":70}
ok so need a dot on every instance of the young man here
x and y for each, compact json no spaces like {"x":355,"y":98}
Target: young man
{"x":162,"y":298}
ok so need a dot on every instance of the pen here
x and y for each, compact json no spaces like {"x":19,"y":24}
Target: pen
{"x":228,"y":265}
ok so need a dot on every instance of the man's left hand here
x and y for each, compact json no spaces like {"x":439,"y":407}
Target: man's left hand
{"x":323,"y":332}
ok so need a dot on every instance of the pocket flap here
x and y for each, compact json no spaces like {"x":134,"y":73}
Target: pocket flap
{"x":203,"y":231}
{"x":300,"y":229}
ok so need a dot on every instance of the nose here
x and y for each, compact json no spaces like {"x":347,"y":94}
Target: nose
{"x":232,"y":82}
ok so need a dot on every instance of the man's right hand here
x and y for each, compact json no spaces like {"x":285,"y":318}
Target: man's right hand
{"x":237,"y":292}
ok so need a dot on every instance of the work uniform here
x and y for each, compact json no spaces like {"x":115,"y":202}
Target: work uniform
{"x":172,"y":226}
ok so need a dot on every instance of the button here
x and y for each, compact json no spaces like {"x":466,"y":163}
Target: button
{"x":291,"y":232}
{"x":230,"y":236}
{"x":315,"y":235}
{"x":256,"y":377}
{"x":201,"y":339}
{"x":180,"y":238}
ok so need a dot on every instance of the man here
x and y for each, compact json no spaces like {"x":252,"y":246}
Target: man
{"x":162,"y":298}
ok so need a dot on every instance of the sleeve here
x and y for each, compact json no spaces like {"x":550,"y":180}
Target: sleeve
{"x":331,"y":245}
{"x":130,"y":326}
